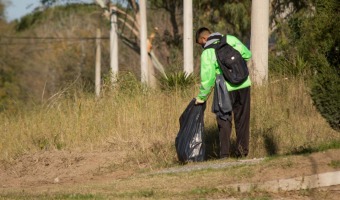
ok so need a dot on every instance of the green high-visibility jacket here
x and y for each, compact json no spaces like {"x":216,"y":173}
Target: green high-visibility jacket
{"x":210,"y":68}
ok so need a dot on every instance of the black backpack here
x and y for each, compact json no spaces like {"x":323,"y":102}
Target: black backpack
{"x":233,"y":66}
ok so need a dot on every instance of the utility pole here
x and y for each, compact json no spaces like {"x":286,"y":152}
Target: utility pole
{"x":111,"y":14}
{"x":188,"y":56}
{"x":259,"y":40}
{"x":113,"y":46}
{"x":143,"y":43}
{"x":98,"y":64}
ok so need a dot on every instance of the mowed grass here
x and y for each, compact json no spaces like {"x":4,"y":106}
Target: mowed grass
{"x":143,"y":123}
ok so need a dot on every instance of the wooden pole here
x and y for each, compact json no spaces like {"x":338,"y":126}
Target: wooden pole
{"x":98,"y":63}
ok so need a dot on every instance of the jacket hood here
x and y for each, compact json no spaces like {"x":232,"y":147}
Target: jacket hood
{"x":209,"y":42}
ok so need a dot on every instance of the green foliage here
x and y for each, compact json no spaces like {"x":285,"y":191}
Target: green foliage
{"x":326,"y":94}
{"x":285,"y":20}
{"x":288,"y":64}
{"x":334,"y":144}
{"x":307,"y":149}
{"x":46,"y":143}
{"x":8,"y":89}
{"x":203,"y":191}
{"x":308,"y":45}
{"x":228,"y":17}
{"x":319,"y":44}
{"x":129,"y":84}
{"x":335,"y":164}
{"x":29,"y":20}
{"x":177,"y":80}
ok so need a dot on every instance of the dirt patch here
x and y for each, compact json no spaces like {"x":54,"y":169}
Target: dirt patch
{"x":65,"y":168}
{"x":299,"y":165}
{"x":278,"y":168}
{"x":60,"y":167}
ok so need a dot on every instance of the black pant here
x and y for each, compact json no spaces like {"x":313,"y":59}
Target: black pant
{"x":240,"y":100}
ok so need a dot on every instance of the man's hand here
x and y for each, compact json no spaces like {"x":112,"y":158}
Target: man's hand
{"x":199,"y":101}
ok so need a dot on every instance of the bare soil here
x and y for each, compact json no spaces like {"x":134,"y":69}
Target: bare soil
{"x":65,"y":168}
{"x":62,"y":167}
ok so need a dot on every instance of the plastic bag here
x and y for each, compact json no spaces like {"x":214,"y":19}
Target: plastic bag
{"x":190,"y":138}
{"x":221,"y":105}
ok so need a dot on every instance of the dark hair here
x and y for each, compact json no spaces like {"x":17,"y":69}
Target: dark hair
{"x":200,"y":31}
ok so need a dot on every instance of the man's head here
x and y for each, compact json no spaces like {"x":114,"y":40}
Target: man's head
{"x":202,"y":35}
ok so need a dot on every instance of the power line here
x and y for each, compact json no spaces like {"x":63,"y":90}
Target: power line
{"x":30,"y":43}
{"x":53,"y":38}
{"x":8,"y":40}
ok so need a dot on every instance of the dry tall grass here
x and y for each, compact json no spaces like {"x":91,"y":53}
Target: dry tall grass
{"x":143,"y":123}
{"x":284,"y":119}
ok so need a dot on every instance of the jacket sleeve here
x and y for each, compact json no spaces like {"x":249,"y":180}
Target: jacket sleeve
{"x":208,"y":73}
{"x":239,"y":46}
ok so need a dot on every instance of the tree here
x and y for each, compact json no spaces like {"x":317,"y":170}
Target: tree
{"x":318,"y":42}
{"x":283,"y":15}
{"x":169,"y":36}
{"x":308,"y":30}
{"x":174,"y":9}
{"x":228,"y":17}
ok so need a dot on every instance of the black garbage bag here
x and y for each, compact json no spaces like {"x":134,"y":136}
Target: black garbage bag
{"x":190,"y":138}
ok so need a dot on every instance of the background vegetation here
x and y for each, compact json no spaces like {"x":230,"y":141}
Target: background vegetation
{"x":47,"y":72}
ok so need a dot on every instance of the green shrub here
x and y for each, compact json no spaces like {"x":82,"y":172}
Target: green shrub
{"x":317,"y":40}
{"x":326,"y":95}
{"x":289,"y":64}
{"x":177,"y":80}
{"x":28,"y":21}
